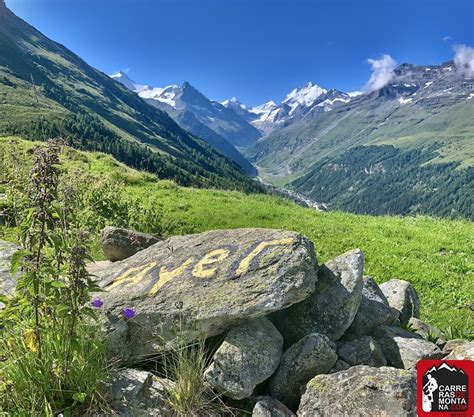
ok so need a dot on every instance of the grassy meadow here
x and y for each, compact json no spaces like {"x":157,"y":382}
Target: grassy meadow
{"x":435,"y":255}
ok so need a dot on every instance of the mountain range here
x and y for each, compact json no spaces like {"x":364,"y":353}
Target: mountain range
{"x":219,"y":126}
{"x":405,"y":148}
{"x":297,"y":104}
{"x":48,"y":91}
{"x":231,"y":126}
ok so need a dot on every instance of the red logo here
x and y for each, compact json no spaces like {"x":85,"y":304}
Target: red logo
{"x":445,"y":388}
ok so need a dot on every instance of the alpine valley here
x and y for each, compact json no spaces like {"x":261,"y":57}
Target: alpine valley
{"x":173,"y":251}
{"x":405,"y":148}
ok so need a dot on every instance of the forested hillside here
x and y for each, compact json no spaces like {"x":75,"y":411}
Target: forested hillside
{"x":47,"y":91}
{"x":387,"y":180}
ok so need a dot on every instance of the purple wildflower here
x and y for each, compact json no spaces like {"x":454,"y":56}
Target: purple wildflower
{"x":97,"y":303}
{"x":128,"y":312}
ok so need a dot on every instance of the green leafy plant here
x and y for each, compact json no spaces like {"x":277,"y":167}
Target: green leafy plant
{"x":54,"y":360}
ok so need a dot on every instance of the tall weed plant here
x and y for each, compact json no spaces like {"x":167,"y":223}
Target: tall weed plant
{"x":52,"y":358}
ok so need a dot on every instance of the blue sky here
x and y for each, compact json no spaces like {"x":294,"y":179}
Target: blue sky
{"x":256,"y":50}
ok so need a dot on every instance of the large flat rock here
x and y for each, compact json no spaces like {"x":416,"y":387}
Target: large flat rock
{"x":192,"y":286}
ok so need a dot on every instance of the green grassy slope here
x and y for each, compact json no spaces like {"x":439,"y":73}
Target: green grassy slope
{"x":437,"y":256}
{"x":48,"y":91}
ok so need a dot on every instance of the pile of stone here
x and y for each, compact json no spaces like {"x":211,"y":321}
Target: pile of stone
{"x":297,"y":337}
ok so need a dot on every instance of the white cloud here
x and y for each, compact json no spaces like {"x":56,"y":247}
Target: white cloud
{"x":382,"y":73}
{"x":464,"y":60}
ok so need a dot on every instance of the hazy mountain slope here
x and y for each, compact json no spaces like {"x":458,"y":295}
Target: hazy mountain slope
{"x":46,"y":90}
{"x":424,"y":109}
{"x":176,"y":100}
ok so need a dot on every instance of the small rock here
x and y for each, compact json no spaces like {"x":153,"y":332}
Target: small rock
{"x":462,"y":352}
{"x":373,"y":311}
{"x":361,"y":391}
{"x":453,"y":344}
{"x":363,"y":351}
{"x":427,"y":331}
{"x":270,"y":407}
{"x":7,"y":281}
{"x":333,"y":305}
{"x":403,"y":349}
{"x":136,"y":393}
{"x":248,"y":356}
{"x":118,"y":244}
{"x":339,"y":366}
{"x":402,"y":296}
{"x":313,"y":355}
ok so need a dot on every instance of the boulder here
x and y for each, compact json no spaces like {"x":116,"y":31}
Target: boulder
{"x":201,"y":285}
{"x":462,"y":352}
{"x":7,"y":282}
{"x":313,"y":355}
{"x":361,"y":391}
{"x":333,"y":305}
{"x":427,"y":331}
{"x":402,"y":296}
{"x":403,"y":349}
{"x":118,"y":244}
{"x":269,"y":407}
{"x":363,"y":351}
{"x":373,"y":311}
{"x":139,"y":393}
{"x":248,"y":356}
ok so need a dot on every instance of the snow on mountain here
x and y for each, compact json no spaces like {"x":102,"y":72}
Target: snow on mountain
{"x":240,"y":108}
{"x":234,"y":103}
{"x":126,"y":81}
{"x":166,"y":95}
{"x":303,"y":96}
{"x":296,"y":105}
{"x":266,"y":117}
{"x":265,"y":111}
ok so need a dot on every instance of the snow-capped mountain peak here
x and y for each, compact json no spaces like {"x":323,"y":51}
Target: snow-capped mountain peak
{"x":166,"y":95}
{"x":305,"y":95}
{"x":123,"y":78}
{"x":233,"y":102}
{"x":265,"y":107}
